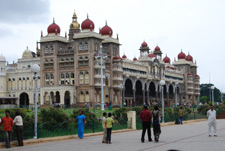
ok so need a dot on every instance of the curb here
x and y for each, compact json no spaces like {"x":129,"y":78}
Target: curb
{"x":68,"y":137}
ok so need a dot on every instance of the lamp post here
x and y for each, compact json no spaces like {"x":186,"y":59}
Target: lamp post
{"x":162,"y":83}
{"x":100,"y":55}
{"x":212,"y":88}
{"x":121,"y":86}
{"x":35,"y":68}
{"x":176,"y":92}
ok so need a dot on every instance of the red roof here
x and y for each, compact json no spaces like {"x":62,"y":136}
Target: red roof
{"x":181,"y":55}
{"x":53,"y":28}
{"x":135,"y":59}
{"x":88,"y":24}
{"x":157,"y":48}
{"x":151,"y":55}
{"x":196,"y":76}
{"x":144,"y":44}
{"x":106,"y":30}
{"x":117,"y":58}
{"x":168,"y":67}
{"x":189,"y":74}
{"x":174,"y":68}
{"x":166,"y":59}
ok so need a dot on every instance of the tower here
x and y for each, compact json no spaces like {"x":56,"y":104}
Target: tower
{"x":3,"y":89}
{"x":74,"y":26}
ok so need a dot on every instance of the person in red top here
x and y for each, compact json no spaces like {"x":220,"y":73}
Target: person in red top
{"x":146,"y":118}
{"x":7,"y":127}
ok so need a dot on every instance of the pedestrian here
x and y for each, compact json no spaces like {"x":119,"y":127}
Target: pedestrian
{"x":7,"y":122}
{"x":18,"y":121}
{"x":181,"y":114}
{"x":156,"y":123}
{"x":104,"y":128}
{"x":211,"y":114}
{"x":109,"y":122}
{"x":81,"y":123}
{"x":130,"y":103}
{"x":146,"y":118}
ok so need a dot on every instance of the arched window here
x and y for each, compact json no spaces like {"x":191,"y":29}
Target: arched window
{"x":87,"y":97}
{"x":81,"y":96}
{"x":67,"y":75}
{"x":86,"y":77}
{"x":46,"y":76}
{"x":86,"y":45}
{"x":81,"y":46}
{"x":81,"y":78}
{"x":52,"y":76}
{"x":72,"y":75}
{"x":62,"y":76}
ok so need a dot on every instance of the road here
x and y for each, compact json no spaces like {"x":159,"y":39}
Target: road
{"x":187,"y":137}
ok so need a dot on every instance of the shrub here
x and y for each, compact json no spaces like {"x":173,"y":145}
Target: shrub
{"x":121,"y":114}
{"x":203,"y":109}
{"x":52,"y":117}
{"x":90,"y":117}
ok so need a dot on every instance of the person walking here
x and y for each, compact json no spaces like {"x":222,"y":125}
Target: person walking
{"x":104,"y":128}
{"x":109,"y":122}
{"x":146,"y":118}
{"x":156,"y":123}
{"x":18,"y":121}
{"x":181,"y":114}
{"x":7,"y":127}
{"x":81,"y":123}
{"x":211,"y":114}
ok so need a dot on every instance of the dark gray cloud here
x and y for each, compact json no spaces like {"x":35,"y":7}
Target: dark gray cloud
{"x":24,"y":11}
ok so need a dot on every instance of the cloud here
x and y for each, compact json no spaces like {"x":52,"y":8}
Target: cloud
{"x":24,"y":11}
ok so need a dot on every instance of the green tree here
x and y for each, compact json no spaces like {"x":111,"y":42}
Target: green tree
{"x":203,"y":99}
{"x":206,"y":91}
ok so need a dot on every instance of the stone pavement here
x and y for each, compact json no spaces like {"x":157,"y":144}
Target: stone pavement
{"x":187,"y":137}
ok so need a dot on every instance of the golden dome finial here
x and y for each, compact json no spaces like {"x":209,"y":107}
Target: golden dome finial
{"x":74,"y":14}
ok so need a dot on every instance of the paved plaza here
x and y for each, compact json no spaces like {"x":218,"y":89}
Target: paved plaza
{"x":187,"y":137}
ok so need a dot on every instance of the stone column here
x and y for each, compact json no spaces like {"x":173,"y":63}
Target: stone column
{"x":123,"y":95}
{"x":143,"y":97}
{"x":134,"y":96}
{"x":148,"y":97}
{"x":167,"y":94}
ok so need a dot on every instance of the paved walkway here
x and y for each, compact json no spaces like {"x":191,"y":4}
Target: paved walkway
{"x":188,"y":137}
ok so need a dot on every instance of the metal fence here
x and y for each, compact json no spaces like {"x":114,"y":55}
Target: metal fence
{"x":65,"y":128}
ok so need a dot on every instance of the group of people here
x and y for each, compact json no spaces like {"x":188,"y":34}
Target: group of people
{"x":8,"y":123}
{"x":147,"y":118}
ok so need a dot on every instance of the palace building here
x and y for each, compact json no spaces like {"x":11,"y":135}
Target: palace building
{"x":70,"y":71}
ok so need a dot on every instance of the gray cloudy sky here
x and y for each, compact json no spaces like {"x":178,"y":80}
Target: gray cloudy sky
{"x":195,"y":26}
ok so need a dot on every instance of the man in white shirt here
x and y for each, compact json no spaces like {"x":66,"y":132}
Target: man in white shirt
{"x":211,"y":114}
{"x":18,"y":121}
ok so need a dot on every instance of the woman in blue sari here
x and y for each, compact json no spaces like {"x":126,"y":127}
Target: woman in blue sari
{"x":81,"y":123}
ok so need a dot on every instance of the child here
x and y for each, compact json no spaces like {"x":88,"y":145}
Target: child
{"x":104,"y":128}
{"x":109,"y":123}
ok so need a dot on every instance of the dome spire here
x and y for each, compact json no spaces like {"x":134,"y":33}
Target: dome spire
{"x":87,"y":16}
{"x":53,"y":20}
{"x":106,"y":22}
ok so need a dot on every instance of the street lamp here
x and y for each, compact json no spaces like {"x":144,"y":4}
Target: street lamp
{"x":101,"y":63}
{"x":162,"y":83}
{"x":176,"y":91}
{"x":35,"y":68}
{"x":121,"y":86}
{"x":212,"y":88}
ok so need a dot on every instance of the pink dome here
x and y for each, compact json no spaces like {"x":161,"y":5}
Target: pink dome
{"x":189,"y":74}
{"x":135,"y":59}
{"x":117,"y":58}
{"x":88,"y":24}
{"x":106,"y":30}
{"x":144,"y":44}
{"x":124,"y":56}
{"x":189,"y":58}
{"x":157,"y":48}
{"x":53,"y":28}
{"x":166,"y":60}
{"x":151,"y":55}
{"x":181,"y":55}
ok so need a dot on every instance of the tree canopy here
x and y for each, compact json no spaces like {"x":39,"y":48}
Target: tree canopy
{"x":207,"y":92}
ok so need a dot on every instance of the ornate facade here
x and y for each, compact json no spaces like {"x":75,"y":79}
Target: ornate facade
{"x":70,"y":70}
